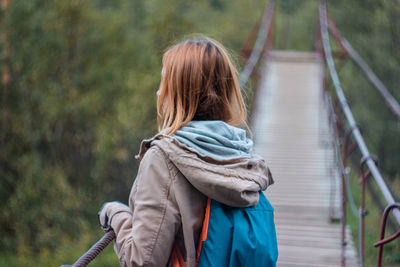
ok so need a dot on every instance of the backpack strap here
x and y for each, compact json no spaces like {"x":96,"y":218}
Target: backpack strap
{"x":176,"y":255}
{"x":204,"y":230}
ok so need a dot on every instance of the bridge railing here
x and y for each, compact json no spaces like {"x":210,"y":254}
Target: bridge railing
{"x":367,"y":161}
{"x":390,"y":101}
{"x":95,"y":250}
{"x":264,"y":30}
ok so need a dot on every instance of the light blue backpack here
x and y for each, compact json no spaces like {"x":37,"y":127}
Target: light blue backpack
{"x":236,"y":237}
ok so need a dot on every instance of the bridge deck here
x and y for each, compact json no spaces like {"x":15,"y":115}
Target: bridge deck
{"x":290,"y":131}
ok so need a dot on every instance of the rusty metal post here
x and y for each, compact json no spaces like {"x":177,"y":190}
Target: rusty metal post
{"x":344,"y":220}
{"x":270,"y":39}
{"x":247,"y":47}
{"x":333,"y":119}
{"x":347,"y":150}
{"x":344,"y":216}
{"x":363,"y":211}
{"x":382,"y":240}
{"x":259,"y":44}
{"x":337,"y":36}
{"x":318,"y":40}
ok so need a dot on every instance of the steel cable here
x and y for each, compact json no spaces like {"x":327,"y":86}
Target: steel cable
{"x":391,"y":102}
{"x":338,"y":157}
{"x":92,"y":253}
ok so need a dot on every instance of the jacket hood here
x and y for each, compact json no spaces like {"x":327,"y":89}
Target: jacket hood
{"x":234,"y":182}
{"x":216,"y":139}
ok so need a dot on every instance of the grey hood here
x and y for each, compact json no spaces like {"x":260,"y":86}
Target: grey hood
{"x":216,"y":139}
{"x":235,"y":182}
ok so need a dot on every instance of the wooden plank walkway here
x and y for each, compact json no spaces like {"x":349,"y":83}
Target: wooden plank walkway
{"x":291,"y":131}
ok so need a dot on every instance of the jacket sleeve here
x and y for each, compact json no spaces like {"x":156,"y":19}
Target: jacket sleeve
{"x":145,"y":235}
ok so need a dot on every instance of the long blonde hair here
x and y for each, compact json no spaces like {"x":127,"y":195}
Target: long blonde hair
{"x":199,"y":82}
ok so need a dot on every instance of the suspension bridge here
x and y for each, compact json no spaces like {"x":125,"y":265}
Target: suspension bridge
{"x":291,"y":133}
{"x":297,"y":129}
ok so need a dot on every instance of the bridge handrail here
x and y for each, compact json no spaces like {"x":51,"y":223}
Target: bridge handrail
{"x":342,"y":169}
{"x":349,"y":115}
{"x":259,"y":44}
{"x":92,"y":253}
{"x":391,"y":102}
{"x":367,"y":158}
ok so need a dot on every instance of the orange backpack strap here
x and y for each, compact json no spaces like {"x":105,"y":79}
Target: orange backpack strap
{"x":176,"y":255}
{"x":204,"y":230}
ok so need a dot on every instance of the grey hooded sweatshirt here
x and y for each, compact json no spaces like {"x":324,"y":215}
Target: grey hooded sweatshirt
{"x":204,"y":159}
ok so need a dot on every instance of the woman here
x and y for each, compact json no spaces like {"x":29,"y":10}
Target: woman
{"x":198,"y":154}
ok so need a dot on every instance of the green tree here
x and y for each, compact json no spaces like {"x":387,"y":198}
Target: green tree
{"x":79,"y":99}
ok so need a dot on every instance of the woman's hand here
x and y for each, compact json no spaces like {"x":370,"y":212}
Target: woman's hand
{"x":107,"y":211}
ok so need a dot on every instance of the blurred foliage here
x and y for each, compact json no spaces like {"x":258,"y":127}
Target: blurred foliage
{"x":295,"y":25}
{"x":77,"y":97}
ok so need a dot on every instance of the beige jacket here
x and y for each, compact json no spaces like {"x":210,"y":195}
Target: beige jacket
{"x":168,"y":198}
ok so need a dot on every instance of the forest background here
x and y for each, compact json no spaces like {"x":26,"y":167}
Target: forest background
{"x":78,"y":95}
